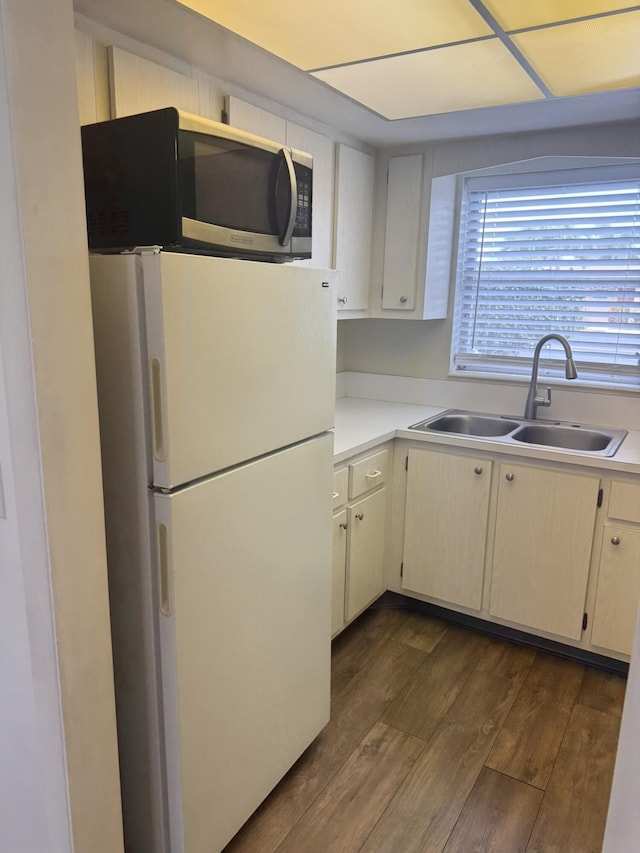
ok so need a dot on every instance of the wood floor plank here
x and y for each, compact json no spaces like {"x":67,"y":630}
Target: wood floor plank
{"x":420,"y":631}
{"x":353,"y":713}
{"x":574,"y":809}
{"x":603,"y":691}
{"x":423,"y":813}
{"x":528,"y":744}
{"x":343,"y":816}
{"x":359,"y":642}
{"x":497,"y":818}
{"x":507,"y":660}
{"x":421,"y":706}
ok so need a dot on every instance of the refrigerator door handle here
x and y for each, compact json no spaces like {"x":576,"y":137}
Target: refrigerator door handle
{"x":157,"y":425}
{"x":163,"y":570}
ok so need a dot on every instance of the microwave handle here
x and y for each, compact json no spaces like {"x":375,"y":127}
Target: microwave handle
{"x":285,"y":237}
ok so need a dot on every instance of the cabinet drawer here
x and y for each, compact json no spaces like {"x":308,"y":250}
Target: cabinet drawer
{"x":624,"y":502}
{"x":368,"y":473}
{"x":340,"y":484}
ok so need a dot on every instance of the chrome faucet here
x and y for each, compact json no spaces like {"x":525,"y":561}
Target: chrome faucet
{"x":533,"y":398}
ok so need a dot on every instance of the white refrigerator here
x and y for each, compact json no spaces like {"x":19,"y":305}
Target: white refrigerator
{"x":216,"y":383}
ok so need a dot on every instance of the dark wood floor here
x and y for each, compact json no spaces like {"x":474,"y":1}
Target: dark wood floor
{"x":442,"y":739}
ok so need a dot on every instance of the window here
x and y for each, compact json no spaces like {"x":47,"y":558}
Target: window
{"x":550,"y":252}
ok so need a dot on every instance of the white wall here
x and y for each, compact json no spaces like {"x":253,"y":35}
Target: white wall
{"x":57,"y":723}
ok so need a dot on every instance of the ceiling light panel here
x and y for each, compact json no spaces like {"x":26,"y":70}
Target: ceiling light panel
{"x":468,"y":76}
{"x":342,"y":31}
{"x":516,"y":14}
{"x":589,"y":56}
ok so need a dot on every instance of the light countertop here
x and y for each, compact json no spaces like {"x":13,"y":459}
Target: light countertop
{"x":361,"y":424}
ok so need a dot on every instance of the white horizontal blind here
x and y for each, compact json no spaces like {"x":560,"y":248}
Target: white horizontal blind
{"x":538,"y":257}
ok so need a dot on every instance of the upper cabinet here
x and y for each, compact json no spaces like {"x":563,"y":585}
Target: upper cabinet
{"x":353,"y":230}
{"x":414,"y":263}
{"x":138,"y":85}
{"x":402,"y":233}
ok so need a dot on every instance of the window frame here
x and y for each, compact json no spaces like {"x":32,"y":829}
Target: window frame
{"x":550,"y":171}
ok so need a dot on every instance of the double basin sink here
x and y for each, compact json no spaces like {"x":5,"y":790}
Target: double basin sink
{"x":561,"y":436}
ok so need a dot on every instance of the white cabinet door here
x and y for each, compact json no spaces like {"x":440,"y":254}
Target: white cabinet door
{"x":354,"y":218}
{"x":138,"y":85}
{"x":365,"y":561}
{"x":339,"y":567}
{"x":255,"y":120}
{"x":543,"y":542}
{"x":404,"y":197}
{"x":446,"y":526}
{"x":618,"y":591}
{"x":245,"y":568}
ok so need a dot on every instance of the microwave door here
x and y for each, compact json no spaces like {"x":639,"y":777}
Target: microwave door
{"x":286,"y":195}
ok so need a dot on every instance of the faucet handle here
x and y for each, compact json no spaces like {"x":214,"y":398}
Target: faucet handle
{"x":543,"y":401}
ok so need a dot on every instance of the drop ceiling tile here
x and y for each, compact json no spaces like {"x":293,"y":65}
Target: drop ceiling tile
{"x":467,"y":76}
{"x":589,"y":56}
{"x":516,"y":14}
{"x":339,"y":31}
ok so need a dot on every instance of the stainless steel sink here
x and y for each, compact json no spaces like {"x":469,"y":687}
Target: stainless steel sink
{"x":598,"y":441}
{"x":569,"y":437}
{"x":467,"y":423}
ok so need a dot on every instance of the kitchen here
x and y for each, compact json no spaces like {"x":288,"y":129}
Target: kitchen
{"x":369,"y":347}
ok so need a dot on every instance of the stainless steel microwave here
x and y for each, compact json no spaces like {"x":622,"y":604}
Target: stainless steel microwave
{"x":168,"y":178}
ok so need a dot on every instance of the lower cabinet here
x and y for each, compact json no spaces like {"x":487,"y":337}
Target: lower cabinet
{"x":618,"y":591}
{"x":359,"y":520}
{"x":445,"y":538}
{"x":365,"y":552}
{"x":544,"y":532}
{"x":514,"y":543}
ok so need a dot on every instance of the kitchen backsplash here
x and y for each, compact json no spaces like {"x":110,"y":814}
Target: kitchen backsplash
{"x":580,"y":406}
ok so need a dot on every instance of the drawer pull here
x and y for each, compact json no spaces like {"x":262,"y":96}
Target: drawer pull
{"x":336,"y":495}
{"x":359,"y":516}
{"x":373,"y":474}
{"x":615,"y":540}
{"x":343,"y":526}
{"x":509,"y":477}
{"x":477,"y":469}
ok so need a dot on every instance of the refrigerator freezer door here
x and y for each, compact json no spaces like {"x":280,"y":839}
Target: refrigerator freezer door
{"x":246,"y":560}
{"x":241,"y":359}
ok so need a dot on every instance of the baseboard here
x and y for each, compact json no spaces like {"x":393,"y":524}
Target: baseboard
{"x":397,"y":600}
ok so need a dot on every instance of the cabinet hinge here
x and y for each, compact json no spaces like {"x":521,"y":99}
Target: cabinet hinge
{"x":406,"y":464}
{"x":600,"y":495}
{"x":585,"y":619}
{"x":401,"y":569}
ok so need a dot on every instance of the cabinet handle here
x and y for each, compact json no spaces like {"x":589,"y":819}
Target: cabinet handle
{"x":359,"y":516}
{"x":403,"y":299}
{"x":509,"y":476}
{"x":343,"y":526}
{"x":342,"y":300}
{"x":615,"y":540}
{"x":336,"y":495}
{"x":373,"y":474}
{"x":477,"y":470}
